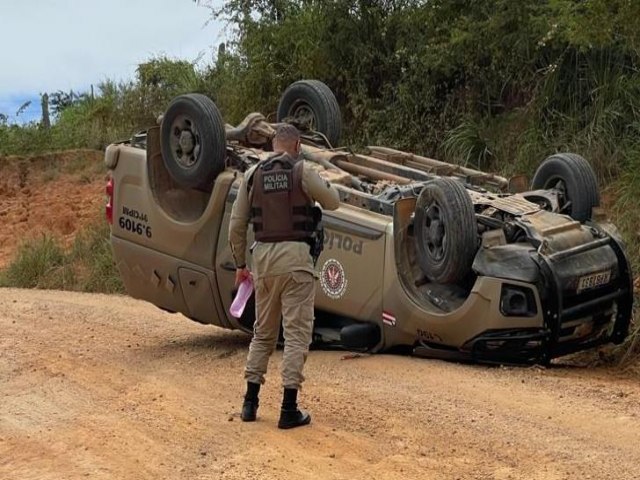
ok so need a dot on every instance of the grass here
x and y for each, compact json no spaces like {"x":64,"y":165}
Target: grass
{"x":628,"y":354}
{"x":626,"y":216}
{"x":37,"y":262}
{"x":469,"y":143}
{"x":91,"y":255}
{"x":87,"y":266}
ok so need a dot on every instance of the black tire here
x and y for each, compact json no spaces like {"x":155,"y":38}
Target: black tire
{"x":312,"y":102}
{"x":193,"y":140}
{"x":446,"y":231}
{"x":572,"y":174}
{"x":360,"y":336}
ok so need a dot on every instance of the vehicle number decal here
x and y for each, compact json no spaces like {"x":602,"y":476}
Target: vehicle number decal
{"x":333,"y":279}
{"x":342,"y":242}
{"x":594,"y":280}
{"x":429,"y":336}
{"x":135,"y":222}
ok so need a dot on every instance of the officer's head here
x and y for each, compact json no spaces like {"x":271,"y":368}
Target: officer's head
{"x":287,"y":139}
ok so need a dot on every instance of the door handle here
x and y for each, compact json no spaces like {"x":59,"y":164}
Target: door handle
{"x":228,"y":266}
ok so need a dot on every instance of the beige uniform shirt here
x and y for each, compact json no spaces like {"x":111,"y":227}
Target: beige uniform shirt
{"x":277,"y":258}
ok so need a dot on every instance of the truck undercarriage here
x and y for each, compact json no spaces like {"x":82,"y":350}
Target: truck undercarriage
{"x":467,"y":265}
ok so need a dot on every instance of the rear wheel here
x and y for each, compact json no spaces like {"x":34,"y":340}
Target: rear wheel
{"x":446,"y":231}
{"x":310,"y":104}
{"x":193,"y":141}
{"x":572,"y":176}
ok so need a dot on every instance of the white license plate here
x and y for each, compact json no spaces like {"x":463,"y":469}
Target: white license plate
{"x":594,"y":280}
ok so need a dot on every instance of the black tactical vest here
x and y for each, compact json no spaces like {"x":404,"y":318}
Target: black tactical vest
{"x":280,"y":209}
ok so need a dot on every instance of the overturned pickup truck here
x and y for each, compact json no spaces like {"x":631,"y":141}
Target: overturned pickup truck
{"x":422,"y":255}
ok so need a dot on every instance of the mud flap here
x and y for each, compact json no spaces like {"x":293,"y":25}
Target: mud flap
{"x":198,"y":295}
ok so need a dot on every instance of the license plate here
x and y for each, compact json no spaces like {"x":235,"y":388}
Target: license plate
{"x":594,"y":280}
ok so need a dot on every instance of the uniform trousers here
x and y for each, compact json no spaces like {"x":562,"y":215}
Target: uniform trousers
{"x":288,"y":298}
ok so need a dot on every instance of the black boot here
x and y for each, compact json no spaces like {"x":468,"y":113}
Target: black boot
{"x":250,"y":404}
{"x":290,"y":415}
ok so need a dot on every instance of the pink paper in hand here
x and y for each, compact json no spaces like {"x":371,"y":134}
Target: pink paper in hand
{"x":244,"y":292}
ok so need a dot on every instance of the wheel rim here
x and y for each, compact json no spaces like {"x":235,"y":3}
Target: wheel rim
{"x":303,"y":114}
{"x":185,"y":141}
{"x":435,"y":233}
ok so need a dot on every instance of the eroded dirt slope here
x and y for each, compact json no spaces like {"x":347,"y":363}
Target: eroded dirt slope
{"x":104,"y":387}
{"x":57,"y":193}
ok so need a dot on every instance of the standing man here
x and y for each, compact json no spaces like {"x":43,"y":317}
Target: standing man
{"x":277,"y":196}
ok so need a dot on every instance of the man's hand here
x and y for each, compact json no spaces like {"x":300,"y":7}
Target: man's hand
{"x":241,"y":275}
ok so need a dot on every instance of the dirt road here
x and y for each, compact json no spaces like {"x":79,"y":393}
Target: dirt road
{"x":102,"y":387}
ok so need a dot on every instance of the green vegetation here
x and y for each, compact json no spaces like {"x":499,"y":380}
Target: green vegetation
{"x":500,"y":84}
{"x":118,"y":110}
{"x":87,"y":266}
{"x":37,"y":264}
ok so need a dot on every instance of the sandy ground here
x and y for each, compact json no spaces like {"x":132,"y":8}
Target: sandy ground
{"x":106,"y":387}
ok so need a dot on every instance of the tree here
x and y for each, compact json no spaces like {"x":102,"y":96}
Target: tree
{"x":59,"y":101}
{"x":22,"y":108}
{"x":166,"y":74}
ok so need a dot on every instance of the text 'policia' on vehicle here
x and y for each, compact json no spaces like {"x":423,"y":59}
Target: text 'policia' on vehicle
{"x":442,"y":259}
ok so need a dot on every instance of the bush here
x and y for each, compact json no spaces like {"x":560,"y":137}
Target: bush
{"x":39,"y":263}
{"x":93,"y":260}
{"x":88,"y":267}
{"x":113,"y":114}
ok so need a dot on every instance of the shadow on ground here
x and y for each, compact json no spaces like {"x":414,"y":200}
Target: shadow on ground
{"x":218,"y":344}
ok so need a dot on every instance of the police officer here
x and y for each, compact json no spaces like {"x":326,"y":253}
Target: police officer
{"x":277,"y":196}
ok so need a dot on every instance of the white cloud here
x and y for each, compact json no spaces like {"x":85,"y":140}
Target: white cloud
{"x":48,"y":45}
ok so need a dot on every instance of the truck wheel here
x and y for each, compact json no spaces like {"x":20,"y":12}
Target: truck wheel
{"x":573,"y":176}
{"x":312,"y":104}
{"x":193,"y":140}
{"x":446,"y":231}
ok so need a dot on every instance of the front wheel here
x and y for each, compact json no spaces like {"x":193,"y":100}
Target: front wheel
{"x":574,"y":179}
{"x":446,"y":231}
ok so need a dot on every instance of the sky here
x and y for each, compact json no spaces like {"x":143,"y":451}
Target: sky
{"x":50,"y":45}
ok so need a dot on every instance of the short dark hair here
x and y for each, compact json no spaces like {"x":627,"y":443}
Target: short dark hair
{"x":286,"y":133}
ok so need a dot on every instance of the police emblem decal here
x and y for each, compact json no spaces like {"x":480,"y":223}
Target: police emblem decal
{"x":332,"y":279}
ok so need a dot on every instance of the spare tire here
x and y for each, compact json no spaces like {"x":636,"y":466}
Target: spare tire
{"x":312,"y":104}
{"x":446,"y":231}
{"x":193,"y":140}
{"x":573,"y":176}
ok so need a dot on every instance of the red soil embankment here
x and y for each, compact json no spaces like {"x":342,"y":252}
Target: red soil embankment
{"x":57,"y":193}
